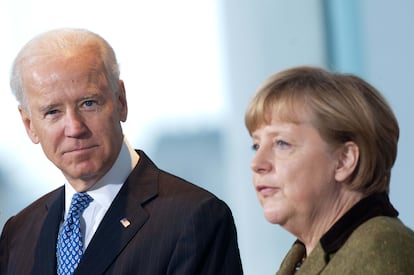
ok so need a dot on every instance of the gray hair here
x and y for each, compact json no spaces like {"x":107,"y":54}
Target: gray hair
{"x":54,"y":44}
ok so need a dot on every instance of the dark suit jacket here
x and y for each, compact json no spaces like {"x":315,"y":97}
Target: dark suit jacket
{"x":175,"y":228}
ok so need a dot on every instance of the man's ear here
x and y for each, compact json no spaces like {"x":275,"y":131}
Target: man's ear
{"x":122,"y":102}
{"x":348,"y":157}
{"x":27,"y":121}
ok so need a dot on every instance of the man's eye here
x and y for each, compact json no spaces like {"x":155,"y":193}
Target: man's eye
{"x":51,"y":112}
{"x":89,"y":103}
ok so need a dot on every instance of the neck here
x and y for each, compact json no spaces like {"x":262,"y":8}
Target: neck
{"x":319,"y":222}
{"x":82,"y":185}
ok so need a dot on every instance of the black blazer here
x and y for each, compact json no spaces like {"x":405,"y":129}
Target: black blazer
{"x":175,"y":228}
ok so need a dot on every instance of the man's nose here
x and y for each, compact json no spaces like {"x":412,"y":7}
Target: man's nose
{"x":74,"y":124}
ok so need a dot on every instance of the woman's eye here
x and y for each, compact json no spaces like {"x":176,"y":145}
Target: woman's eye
{"x":282,"y":144}
{"x":255,"y":147}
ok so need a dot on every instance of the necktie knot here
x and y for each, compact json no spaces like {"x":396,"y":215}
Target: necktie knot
{"x":79,"y":203}
{"x":70,"y":244}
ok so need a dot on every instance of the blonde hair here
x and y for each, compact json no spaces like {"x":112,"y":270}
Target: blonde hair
{"x":343,"y":108}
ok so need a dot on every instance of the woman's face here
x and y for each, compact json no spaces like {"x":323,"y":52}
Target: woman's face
{"x":293,"y":173}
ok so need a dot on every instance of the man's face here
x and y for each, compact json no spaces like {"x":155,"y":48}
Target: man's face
{"x":75,"y":116}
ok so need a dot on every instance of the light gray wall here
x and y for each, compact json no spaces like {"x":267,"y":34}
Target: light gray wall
{"x":260,"y":38}
{"x":389,"y":58}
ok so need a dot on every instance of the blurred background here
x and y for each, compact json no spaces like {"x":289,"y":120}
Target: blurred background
{"x":190,"y":67}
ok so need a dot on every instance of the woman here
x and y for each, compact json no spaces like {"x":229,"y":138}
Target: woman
{"x":325,"y":144}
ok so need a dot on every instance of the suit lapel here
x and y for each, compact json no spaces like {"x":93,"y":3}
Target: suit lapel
{"x":45,"y":255}
{"x":316,"y":262}
{"x":112,"y":236}
{"x":294,"y":256}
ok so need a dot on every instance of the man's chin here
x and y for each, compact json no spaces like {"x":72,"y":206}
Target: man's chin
{"x":86,"y":177}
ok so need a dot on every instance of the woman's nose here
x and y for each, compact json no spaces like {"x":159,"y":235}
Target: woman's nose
{"x":261,"y":162}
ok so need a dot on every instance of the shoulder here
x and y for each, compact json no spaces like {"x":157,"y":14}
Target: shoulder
{"x":189,"y":195}
{"x":31,"y":213}
{"x":168,"y":185}
{"x":383,"y":232}
{"x":381,"y":245}
{"x":165,"y":194}
{"x":178,"y":185}
{"x":189,"y":200}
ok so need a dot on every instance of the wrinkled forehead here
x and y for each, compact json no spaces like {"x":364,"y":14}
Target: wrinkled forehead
{"x":283,"y":106}
{"x":65,"y":62}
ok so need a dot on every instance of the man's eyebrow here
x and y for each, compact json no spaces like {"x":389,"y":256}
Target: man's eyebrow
{"x":47,"y":107}
{"x":88,"y":96}
{"x":93,"y":97}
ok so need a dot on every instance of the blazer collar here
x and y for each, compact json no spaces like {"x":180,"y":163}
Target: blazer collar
{"x":374,"y":205}
{"x":112,"y":235}
{"x":45,"y":255}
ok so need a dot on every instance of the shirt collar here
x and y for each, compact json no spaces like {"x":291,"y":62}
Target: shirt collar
{"x":105,"y":190}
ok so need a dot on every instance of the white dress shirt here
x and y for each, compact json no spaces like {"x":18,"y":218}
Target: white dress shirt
{"x":103,"y":192}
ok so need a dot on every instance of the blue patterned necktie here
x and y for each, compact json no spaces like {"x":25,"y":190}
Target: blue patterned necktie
{"x":69,"y":248}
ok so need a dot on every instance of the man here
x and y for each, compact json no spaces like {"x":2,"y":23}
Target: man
{"x":117,"y":213}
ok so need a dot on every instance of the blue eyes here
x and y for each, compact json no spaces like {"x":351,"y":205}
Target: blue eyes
{"x":89,"y":103}
{"x":281,"y":143}
{"x":255,"y":147}
{"x":52,"y":112}
{"x":86,"y":106}
{"x":278,"y":144}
